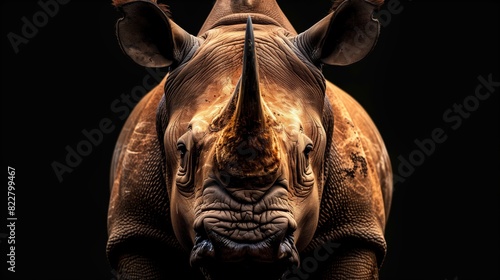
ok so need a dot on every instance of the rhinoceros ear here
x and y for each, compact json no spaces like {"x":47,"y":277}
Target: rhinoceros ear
{"x":343,"y":37}
{"x":148,"y":36}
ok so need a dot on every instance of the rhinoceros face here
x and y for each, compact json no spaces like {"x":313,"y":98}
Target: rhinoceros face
{"x":242,"y":123}
{"x":244,"y":148}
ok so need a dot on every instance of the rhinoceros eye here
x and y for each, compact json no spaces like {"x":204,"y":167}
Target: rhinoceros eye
{"x":185,"y":173}
{"x":181,"y":148}
{"x":308,"y":149}
{"x":304,"y":177}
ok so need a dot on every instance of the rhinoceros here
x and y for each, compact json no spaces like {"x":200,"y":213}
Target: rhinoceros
{"x":244,"y":162}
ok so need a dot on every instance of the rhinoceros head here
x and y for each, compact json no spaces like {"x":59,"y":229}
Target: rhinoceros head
{"x":243,"y":126}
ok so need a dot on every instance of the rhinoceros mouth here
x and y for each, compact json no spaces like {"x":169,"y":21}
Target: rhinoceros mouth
{"x":244,"y":235}
{"x":214,"y":247}
{"x":223,"y":258}
{"x":269,"y":240}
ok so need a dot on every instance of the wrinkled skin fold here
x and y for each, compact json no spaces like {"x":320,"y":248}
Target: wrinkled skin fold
{"x":244,"y":162}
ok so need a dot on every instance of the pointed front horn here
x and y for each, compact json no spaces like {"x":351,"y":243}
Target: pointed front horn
{"x":249,"y":113}
{"x":247,"y":146}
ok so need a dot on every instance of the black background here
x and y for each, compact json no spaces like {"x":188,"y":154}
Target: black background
{"x":443,"y":223}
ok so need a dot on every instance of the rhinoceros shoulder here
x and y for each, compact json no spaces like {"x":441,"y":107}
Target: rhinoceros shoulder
{"x":348,"y":110}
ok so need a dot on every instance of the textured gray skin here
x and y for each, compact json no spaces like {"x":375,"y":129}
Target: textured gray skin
{"x":353,"y":185}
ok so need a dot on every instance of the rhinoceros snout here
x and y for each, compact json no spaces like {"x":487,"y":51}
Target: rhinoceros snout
{"x":244,"y":234}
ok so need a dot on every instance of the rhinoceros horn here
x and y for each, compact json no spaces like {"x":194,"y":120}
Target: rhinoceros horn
{"x":249,"y":113}
{"x":248,"y":146}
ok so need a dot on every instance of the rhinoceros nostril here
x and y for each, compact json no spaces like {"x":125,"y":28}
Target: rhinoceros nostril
{"x":202,"y":249}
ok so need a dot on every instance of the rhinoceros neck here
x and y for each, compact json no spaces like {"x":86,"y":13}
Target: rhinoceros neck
{"x":233,"y":9}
